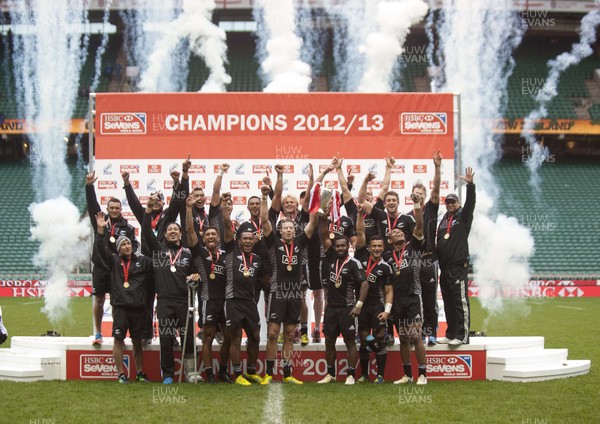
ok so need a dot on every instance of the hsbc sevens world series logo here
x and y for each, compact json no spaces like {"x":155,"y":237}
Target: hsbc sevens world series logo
{"x":424,"y":123}
{"x":122,"y":123}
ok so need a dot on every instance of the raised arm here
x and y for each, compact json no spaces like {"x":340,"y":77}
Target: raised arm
{"x":267,"y":227}
{"x":361,"y":238}
{"x":437,"y":178}
{"x":100,"y":242}
{"x":322,"y":174}
{"x":227,"y":227}
{"x":311,"y":183}
{"x":362,"y":193}
{"x":312,"y":225}
{"x":149,"y":241}
{"x":337,"y":163}
{"x":276,"y":202}
{"x":385,"y":183}
{"x":418,"y":231}
{"x":93,"y":206}
{"x":192,"y":237}
{"x":469,"y":207}
{"x":215,"y":200}
{"x":134,"y":203}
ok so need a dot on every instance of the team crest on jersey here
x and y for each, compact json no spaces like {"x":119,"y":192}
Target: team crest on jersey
{"x":250,"y":270}
{"x":219,"y":269}
{"x":285,"y":260}
{"x":372,"y":278}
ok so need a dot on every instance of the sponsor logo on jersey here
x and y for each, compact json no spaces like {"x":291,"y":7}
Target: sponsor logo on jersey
{"x":122,"y":123}
{"x":423,"y":123}
{"x":445,"y":366}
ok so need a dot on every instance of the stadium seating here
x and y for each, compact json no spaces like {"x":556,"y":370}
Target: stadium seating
{"x":561,"y":221}
{"x":16,"y":192}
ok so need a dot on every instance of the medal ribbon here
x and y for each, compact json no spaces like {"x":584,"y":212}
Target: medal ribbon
{"x":370,"y":267}
{"x":244,"y":259}
{"x":172,"y":261}
{"x":258,"y":228}
{"x":213,"y":262}
{"x":399,"y":261}
{"x":289,"y":253}
{"x":390,"y":225}
{"x":112,"y":228}
{"x":125,"y":270}
{"x":155,"y":220}
{"x":338,"y":269}
{"x":449,"y":220}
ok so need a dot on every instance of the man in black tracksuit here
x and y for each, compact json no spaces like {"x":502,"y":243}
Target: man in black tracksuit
{"x":117,"y":226}
{"x":160,"y":217}
{"x":453,"y":256}
{"x":129,"y":276}
{"x":173,"y":267}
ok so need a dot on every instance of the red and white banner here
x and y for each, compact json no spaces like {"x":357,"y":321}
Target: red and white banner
{"x":547,"y":288}
{"x":36,"y":288}
{"x":150,"y":134}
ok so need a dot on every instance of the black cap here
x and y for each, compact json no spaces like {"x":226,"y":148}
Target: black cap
{"x":451,"y":197}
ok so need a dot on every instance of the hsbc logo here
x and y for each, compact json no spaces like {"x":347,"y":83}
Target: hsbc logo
{"x":239,"y":200}
{"x":398,"y":169}
{"x":354,"y":169}
{"x":261,"y":169}
{"x":168,"y":184}
{"x":107,"y":185}
{"x":445,"y":366}
{"x":239,"y":184}
{"x":122,"y":123}
{"x":443,"y":184}
{"x":154,"y":169}
{"x":101,"y":366}
{"x":375,"y":184}
{"x":135,"y":184}
{"x":397,"y":185}
{"x":132,"y":169}
{"x":420,"y":169}
{"x":423,"y":123}
{"x":288,"y":169}
{"x":301,"y":185}
{"x":199,"y":184}
{"x":197,"y":169}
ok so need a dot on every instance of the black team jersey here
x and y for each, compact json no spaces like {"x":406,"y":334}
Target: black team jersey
{"x":386,"y":223}
{"x":211,"y":267}
{"x":406,"y":266}
{"x":454,"y":249}
{"x":128,"y":278}
{"x":286,"y":261}
{"x":260,"y":247}
{"x":345,"y":274}
{"x":243,"y":271}
{"x":379,"y":275}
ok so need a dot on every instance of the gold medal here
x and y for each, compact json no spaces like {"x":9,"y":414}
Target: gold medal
{"x":173,"y":269}
{"x":259,"y":236}
{"x":446,"y":236}
{"x":200,"y":233}
{"x":246,"y":273}
{"x":126,"y":284}
{"x":212,"y":276}
{"x":398,"y":273}
{"x":338,"y":282}
{"x":289,"y":267}
{"x":332,"y":235}
{"x":112,"y":239}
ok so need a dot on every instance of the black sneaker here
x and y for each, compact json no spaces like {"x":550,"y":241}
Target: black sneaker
{"x":225,"y":378}
{"x":142,"y":377}
{"x":123,"y":379}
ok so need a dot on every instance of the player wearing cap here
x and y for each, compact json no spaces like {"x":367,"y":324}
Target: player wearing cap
{"x":405,"y":260}
{"x":129,"y":276}
{"x":429,"y":268}
{"x":286,"y":287}
{"x":173,"y":264}
{"x":243,"y":269}
{"x":117,"y":226}
{"x":378,"y":303}
{"x":453,"y":254}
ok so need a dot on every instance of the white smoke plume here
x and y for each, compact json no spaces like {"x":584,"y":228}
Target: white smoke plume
{"x":281,"y":65}
{"x":579,"y":51}
{"x":383,"y":47}
{"x":477,"y":40}
{"x":63,"y":244}
{"x":205,"y":39}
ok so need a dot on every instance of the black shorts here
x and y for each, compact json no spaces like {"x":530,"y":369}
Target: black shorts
{"x":100,"y":281}
{"x":132,"y":319}
{"x":283,"y":310}
{"x":312,"y":273}
{"x":213,"y":311}
{"x":241,"y":313}
{"x":408,"y":310}
{"x":368,"y":320}
{"x":339,"y":320}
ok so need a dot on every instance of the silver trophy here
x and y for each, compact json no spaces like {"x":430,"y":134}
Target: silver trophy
{"x":326,"y":195}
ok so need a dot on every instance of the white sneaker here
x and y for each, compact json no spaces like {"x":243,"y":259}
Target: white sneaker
{"x":194,"y":377}
{"x":327,"y":379}
{"x":443,"y":340}
{"x":404,"y":380}
{"x":422,"y":380}
{"x":455,"y":342}
{"x":349,"y":381}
